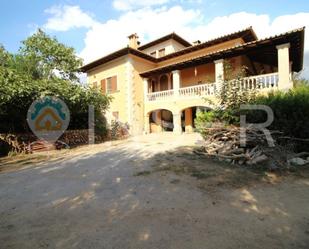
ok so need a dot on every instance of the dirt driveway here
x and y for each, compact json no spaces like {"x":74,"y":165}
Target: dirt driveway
{"x":148,"y":192}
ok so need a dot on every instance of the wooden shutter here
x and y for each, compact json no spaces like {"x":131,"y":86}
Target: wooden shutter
{"x":103,"y":86}
{"x":114,"y":83}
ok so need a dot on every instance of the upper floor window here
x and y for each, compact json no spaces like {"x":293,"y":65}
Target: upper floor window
{"x":109,"y":85}
{"x":154,"y":53}
{"x":161,"y":52}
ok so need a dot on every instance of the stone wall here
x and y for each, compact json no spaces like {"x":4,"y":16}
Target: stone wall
{"x":28,"y":142}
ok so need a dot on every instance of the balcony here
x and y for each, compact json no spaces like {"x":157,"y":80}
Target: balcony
{"x":264,"y":82}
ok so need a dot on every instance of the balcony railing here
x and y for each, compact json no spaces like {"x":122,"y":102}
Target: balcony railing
{"x":198,"y":90}
{"x":263,"y":81}
{"x":260,"y":82}
{"x":163,"y":95}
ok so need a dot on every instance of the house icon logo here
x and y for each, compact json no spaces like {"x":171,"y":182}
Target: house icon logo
{"x":48,"y":118}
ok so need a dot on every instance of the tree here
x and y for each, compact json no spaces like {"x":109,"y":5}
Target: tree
{"x":43,"y":67}
{"x":231,"y":95}
{"x":52,"y":58}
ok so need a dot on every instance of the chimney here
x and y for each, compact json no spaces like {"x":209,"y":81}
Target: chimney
{"x":196,"y":42}
{"x":133,"y":41}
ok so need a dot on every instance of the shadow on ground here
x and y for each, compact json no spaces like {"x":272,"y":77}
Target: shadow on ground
{"x":137,"y":196}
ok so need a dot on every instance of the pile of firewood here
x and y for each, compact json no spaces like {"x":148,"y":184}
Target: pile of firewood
{"x":224,"y":144}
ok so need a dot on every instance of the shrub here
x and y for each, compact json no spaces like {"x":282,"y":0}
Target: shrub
{"x":118,"y":130}
{"x":207,"y":119}
{"x":291,"y":111}
{"x":203,"y":120}
{"x":231,"y":95}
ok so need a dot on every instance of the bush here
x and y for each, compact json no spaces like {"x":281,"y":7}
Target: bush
{"x":291,"y":111}
{"x":207,"y":119}
{"x":118,"y":130}
{"x":231,"y":95}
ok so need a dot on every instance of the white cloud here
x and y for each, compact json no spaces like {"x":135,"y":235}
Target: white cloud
{"x":133,"y":4}
{"x":150,"y":24}
{"x":65,"y":17}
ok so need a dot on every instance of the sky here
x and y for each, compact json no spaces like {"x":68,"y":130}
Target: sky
{"x":98,"y":27}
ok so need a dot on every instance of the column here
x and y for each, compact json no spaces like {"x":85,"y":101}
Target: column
{"x":146,"y":124}
{"x":177,"y":123}
{"x":176,"y":82}
{"x":145,"y":80}
{"x":158,"y":121}
{"x":188,"y":120}
{"x":284,"y":67}
{"x":219,"y":73}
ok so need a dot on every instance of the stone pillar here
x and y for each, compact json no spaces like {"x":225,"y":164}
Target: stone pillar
{"x":158,"y":121}
{"x":219,"y":73}
{"x":188,"y":120}
{"x":177,"y":123}
{"x":284,"y":67}
{"x":176,"y":82}
{"x":146,"y":124}
{"x":146,"y":87}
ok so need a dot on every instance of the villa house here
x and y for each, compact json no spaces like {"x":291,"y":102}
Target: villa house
{"x":160,"y":85}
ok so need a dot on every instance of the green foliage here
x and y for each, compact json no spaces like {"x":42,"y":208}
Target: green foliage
{"x":291,"y":111}
{"x":50,"y":56}
{"x":44,"y":67}
{"x":208,"y":119}
{"x":299,"y":81}
{"x":204,"y":119}
{"x":231,"y":95}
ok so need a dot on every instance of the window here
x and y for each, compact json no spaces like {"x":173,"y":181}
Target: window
{"x":161,"y":52}
{"x":154,"y":53}
{"x":116,"y":115}
{"x":95,"y":84}
{"x":109,"y":85}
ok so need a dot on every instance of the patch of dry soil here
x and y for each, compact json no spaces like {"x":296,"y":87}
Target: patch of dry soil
{"x":148,"y":192}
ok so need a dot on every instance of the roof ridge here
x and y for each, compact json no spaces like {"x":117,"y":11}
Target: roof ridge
{"x":122,"y":51}
{"x":229,"y":34}
{"x":172,"y":34}
{"x":212,"y":40}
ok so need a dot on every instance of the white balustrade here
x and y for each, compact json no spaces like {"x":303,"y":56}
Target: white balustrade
{"x":198,"y":90}
{"x":260,"y":82}
{"x":263,"y":81}
{"x":162,"y":95}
